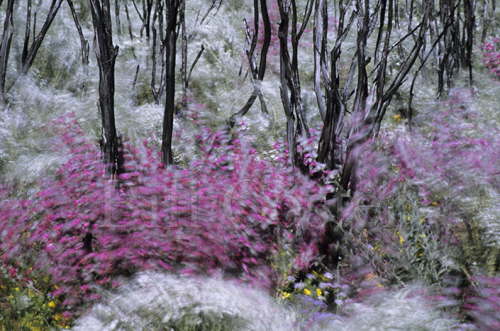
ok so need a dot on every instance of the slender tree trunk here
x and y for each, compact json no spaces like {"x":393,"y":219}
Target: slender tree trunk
{"x":83,"y":42}
{"x":289,"y":73}
{"x":8,"y":29}
{"x":469,"y":26}
{"x":329,"y":149}
{"x":257,"y":73}
{"x":127,"y":14}
{"x":157,"y":39}
{"x":117,"y":17}
{"x":106,"y":55}
{"x":30,"y":51}
{"x":172,"y":7}
{"x":363,"y":7}
{"x":184,"y":52}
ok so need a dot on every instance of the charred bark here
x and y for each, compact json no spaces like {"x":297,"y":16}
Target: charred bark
{"x":157,"y":38}
{"x":8,"y":30}
{"x":106,"y":56}
{"x":172,"y":10}
{"x":327,"y":74}
{"x":257,"y":73}
{"x":289,"y":73}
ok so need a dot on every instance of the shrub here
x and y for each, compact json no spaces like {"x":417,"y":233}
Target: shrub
{"x":418,"y":194}
{"x":227,"y":212}
{"x":491,"y":56}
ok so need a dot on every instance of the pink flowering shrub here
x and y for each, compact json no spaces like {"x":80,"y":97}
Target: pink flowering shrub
{"x":428,"y":176}
{"x":415,"y":208}
{"x":491,"y":56}
{"x":228,"y":212}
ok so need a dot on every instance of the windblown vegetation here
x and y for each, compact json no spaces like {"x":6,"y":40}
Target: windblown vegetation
{"x":249,"y":165}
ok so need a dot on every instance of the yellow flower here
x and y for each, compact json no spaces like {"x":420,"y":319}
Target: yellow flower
{"x":307,"y":291}
{"x":285,"y":295}
{"x":319,"y":292}
{"x":51,"y":304}
{"x":435,"y":203}
{"x":401,"y":239}
{"x":16,"y":289}
{"x":396,"y":117}
{"x":58,"y":317}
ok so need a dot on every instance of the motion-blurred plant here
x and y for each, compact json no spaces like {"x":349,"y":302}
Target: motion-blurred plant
{"x":224,"y":213}
{"x":25,"y":302}
{"x":491,"y":56}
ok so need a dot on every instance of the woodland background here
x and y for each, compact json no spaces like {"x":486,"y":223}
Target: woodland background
{"x":253,"y":165}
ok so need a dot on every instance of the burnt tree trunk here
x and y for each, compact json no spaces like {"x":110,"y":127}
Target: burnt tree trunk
{"x":172,"y":8}
{"x":106,"y":55}
{"x":5,"y":43}
{"x":157,"y":39}
{"x":334,"y":101}
{"x":290,"y":90}
{"x":257,"y":73}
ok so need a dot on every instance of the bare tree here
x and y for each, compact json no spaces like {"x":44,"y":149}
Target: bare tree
{"x":259,"y":72}
{"x":170,"y":41}
{"x":106,"y":55}
{"x":8,"y":28}
{"x":339,"y":140}
{"x":130,"y":33}
{"x":31,"y":47}
{"x":83,"y":42}
{"x":468,"y":36}
{"x":289,"y":72}
{"x":158,"y":37}
{"x":144,"y":14}
{"x":333,"y":103}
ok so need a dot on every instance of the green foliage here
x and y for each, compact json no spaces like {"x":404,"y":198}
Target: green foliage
{"x":27,"y":305}
{"x":143,"y":94}
{"x":50,"y":70}
{"x":421,"y":255}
